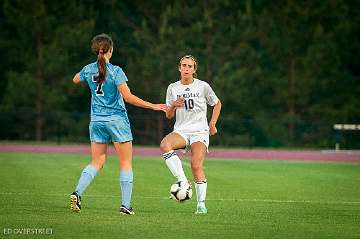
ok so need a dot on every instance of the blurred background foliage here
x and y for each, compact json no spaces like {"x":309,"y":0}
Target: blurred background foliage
{"x":285,"y":71}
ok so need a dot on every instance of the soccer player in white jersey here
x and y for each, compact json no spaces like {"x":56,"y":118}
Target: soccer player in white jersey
{"x":109,"y":121}
{"x":187,"y":100}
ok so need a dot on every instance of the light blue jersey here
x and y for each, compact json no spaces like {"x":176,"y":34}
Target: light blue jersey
{"x":107,"y":103}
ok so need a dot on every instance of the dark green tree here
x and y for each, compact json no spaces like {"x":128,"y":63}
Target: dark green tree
{"x":43,"y":41}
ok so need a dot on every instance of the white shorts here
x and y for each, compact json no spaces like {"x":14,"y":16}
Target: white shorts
{"x":191,"y":138}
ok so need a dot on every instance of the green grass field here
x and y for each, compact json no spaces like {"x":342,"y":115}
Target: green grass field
{"x":246,"y":199}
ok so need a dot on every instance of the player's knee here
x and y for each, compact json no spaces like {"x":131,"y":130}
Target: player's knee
{"x":165,"y":147}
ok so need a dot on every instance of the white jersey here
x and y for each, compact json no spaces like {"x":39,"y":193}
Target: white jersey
{"x":191,"y":118}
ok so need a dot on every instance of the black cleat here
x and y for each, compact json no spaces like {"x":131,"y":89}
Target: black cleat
{"x":127,"y":211}
{"x":75,"y":202}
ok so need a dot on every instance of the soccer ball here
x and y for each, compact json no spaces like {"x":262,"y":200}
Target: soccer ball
{"x":181,"y":191}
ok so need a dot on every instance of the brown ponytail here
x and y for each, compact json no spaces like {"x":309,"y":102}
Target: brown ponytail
{"x":101,"y":62}
{"x":100,"y":45}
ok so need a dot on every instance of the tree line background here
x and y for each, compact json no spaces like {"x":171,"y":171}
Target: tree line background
{"x":285,"y":71}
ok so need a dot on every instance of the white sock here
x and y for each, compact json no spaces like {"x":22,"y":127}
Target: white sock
{"x":200,"y":188}
{"x":173,"y":162}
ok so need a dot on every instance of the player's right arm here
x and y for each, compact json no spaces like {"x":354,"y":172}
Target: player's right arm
{"x":170,"y":110}
{"x":136,"y":101}
{"x":171,"y":103}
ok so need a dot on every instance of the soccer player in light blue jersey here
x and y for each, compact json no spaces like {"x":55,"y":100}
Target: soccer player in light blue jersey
{"x":109,"y":121}
{"x":187,"y":101}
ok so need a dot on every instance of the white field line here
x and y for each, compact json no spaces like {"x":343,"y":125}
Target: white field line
{"x":208,"y":199}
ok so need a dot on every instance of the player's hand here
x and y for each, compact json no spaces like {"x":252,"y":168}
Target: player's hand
{"x":179,"y":102}
{"x":212,"y":129}
{"x":159,"y":107}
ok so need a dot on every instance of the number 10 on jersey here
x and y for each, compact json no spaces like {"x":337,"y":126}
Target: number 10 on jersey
{"x":189,"y":104}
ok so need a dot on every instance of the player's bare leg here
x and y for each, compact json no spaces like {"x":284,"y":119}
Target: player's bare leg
{"x":124,"y":153}
{"x":198,"y":152}
{"x":98,"y":158}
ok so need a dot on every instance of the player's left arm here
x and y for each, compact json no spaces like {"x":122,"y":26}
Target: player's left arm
{"x":214,"y":118}
{"x":76,"y":78}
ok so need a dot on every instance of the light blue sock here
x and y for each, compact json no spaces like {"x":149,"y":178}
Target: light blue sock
{"x":126,"y":184}
{"x":87,"y":175}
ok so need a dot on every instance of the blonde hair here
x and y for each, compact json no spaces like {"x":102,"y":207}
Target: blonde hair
{"x":193,"y":59}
